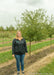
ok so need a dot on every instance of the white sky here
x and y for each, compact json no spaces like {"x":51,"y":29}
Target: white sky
{"x":13,"y":8}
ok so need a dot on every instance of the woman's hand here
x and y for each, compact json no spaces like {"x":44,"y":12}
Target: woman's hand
{"x":12,"y":55}
{"x":26,"y":53}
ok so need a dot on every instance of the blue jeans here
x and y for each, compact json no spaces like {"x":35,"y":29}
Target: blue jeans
{"x":20,"y":58}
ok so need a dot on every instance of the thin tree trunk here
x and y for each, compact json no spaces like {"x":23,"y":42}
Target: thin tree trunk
{"x":35,"y":41}
{"x":50,"y":42}
{"x":30,"y":48}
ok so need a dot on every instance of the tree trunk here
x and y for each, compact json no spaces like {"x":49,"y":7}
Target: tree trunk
{"x":50,"y":42}
{"x":30,"y":49}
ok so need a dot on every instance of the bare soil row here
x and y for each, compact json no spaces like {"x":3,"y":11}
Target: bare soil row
{"x":28,"y":61}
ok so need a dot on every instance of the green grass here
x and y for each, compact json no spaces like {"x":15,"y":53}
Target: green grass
{"x":6,"y":44}
{"x":40,"y":45}
{"x":5,"y":39}
{"x":44,"y":43}
{"x":49,"y":68}
{"x":5,"y":56}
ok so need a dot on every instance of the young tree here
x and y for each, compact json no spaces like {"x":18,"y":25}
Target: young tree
{"x":32,"y":25}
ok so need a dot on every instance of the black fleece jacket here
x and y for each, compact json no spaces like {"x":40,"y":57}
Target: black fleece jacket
{"x":19,"y":46}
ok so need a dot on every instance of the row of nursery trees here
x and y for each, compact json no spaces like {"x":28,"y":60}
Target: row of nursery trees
{"x":36,"y":25}
{"x":10,"y":28}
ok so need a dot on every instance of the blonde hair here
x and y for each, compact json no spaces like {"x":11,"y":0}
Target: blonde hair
{"x":17,"y":34}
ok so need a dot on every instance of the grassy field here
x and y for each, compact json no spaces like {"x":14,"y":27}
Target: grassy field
{"x":49,"y":68}
{"x":5,"y":56}
{"x":5,"y":39}
{"x":40,"y":45}
{"x":9,"y":44}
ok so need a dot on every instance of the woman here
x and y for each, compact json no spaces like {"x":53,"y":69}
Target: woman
{"x":19,"y":48}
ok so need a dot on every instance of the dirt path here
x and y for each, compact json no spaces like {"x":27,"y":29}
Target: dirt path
{"x":39,"y":64}
{"x":36,"y":51}
{"x":4,"y":48}
{"x":11,"y":69}
{"x":5,"y":42}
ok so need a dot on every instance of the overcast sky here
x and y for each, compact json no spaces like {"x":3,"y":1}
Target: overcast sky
{"x":12,"y":8}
